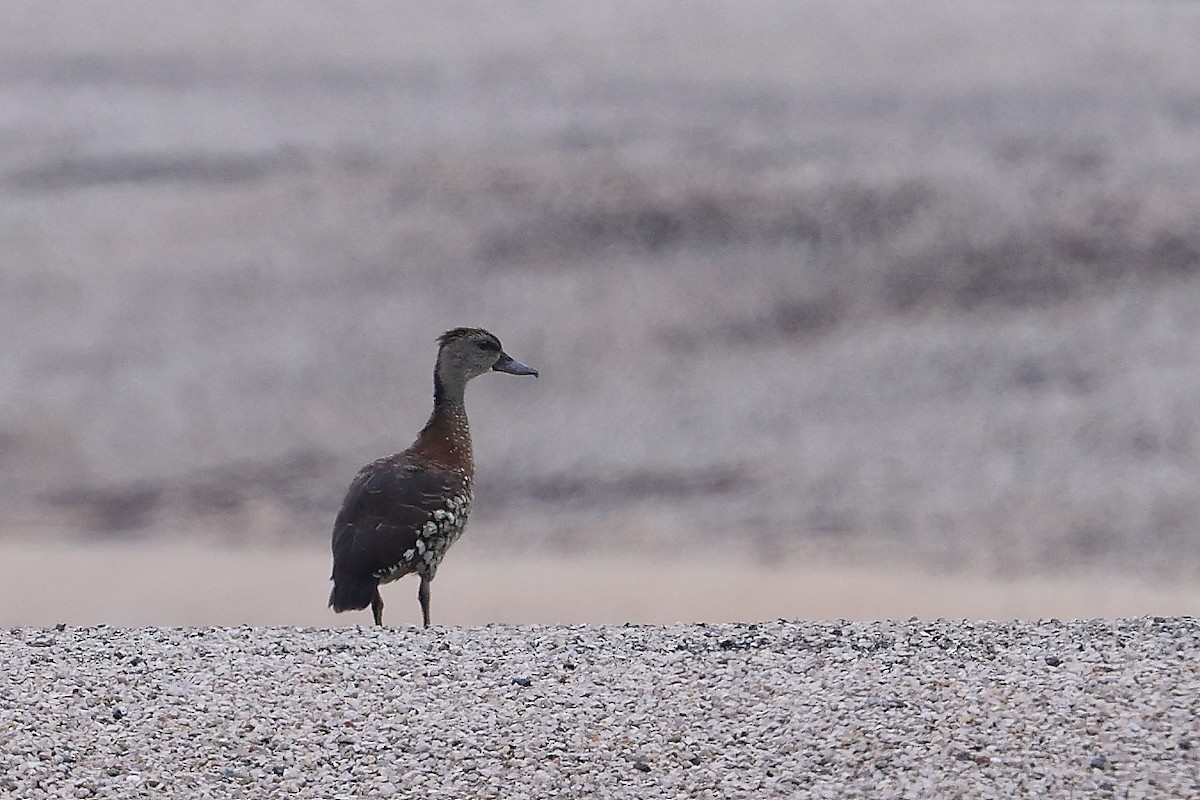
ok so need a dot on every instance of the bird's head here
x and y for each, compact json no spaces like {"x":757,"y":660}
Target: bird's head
{"x":466,"y":353}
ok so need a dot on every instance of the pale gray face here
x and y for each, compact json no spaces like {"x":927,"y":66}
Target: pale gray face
{"x":470,"y":352}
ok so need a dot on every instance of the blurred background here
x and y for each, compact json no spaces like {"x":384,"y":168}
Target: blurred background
{"x":842,"y":308}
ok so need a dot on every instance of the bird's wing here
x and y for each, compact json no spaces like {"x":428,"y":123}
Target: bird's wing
{"x":387,"y":504}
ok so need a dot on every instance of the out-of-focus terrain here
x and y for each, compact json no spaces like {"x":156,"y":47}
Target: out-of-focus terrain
{"x":810,"y":285}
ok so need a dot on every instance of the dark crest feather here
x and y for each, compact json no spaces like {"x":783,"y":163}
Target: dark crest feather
{"x":460,"y":333}
{"x":455,"y":334}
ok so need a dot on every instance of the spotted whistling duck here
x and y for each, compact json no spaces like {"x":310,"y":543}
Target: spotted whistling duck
{"x":402,"y":512}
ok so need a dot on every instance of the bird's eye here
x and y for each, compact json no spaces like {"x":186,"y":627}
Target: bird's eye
{"x":484,"y":344}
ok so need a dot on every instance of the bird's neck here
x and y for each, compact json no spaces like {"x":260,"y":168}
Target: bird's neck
{"x":446,"y":437}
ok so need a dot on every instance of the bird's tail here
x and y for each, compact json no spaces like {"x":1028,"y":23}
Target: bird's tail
{"x":350,"y":595}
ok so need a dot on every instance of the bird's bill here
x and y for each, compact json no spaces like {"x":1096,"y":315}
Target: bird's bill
{"x":507,"y":363}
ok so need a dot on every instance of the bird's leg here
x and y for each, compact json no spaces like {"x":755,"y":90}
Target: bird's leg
{"x":377,"y":607}
{"x":423,"y":596}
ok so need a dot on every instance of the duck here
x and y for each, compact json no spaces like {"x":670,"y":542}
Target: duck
{"x":402,"y":512}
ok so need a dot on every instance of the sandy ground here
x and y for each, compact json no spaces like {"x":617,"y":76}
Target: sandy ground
{"x":169,"y":584}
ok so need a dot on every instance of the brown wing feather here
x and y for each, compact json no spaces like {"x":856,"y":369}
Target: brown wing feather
{"x":385,"y":507}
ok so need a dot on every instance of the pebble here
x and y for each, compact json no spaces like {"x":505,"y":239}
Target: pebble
{"x":781,"y":709}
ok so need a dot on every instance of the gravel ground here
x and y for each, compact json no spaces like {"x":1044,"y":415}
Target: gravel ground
{"x":786,"y":709}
